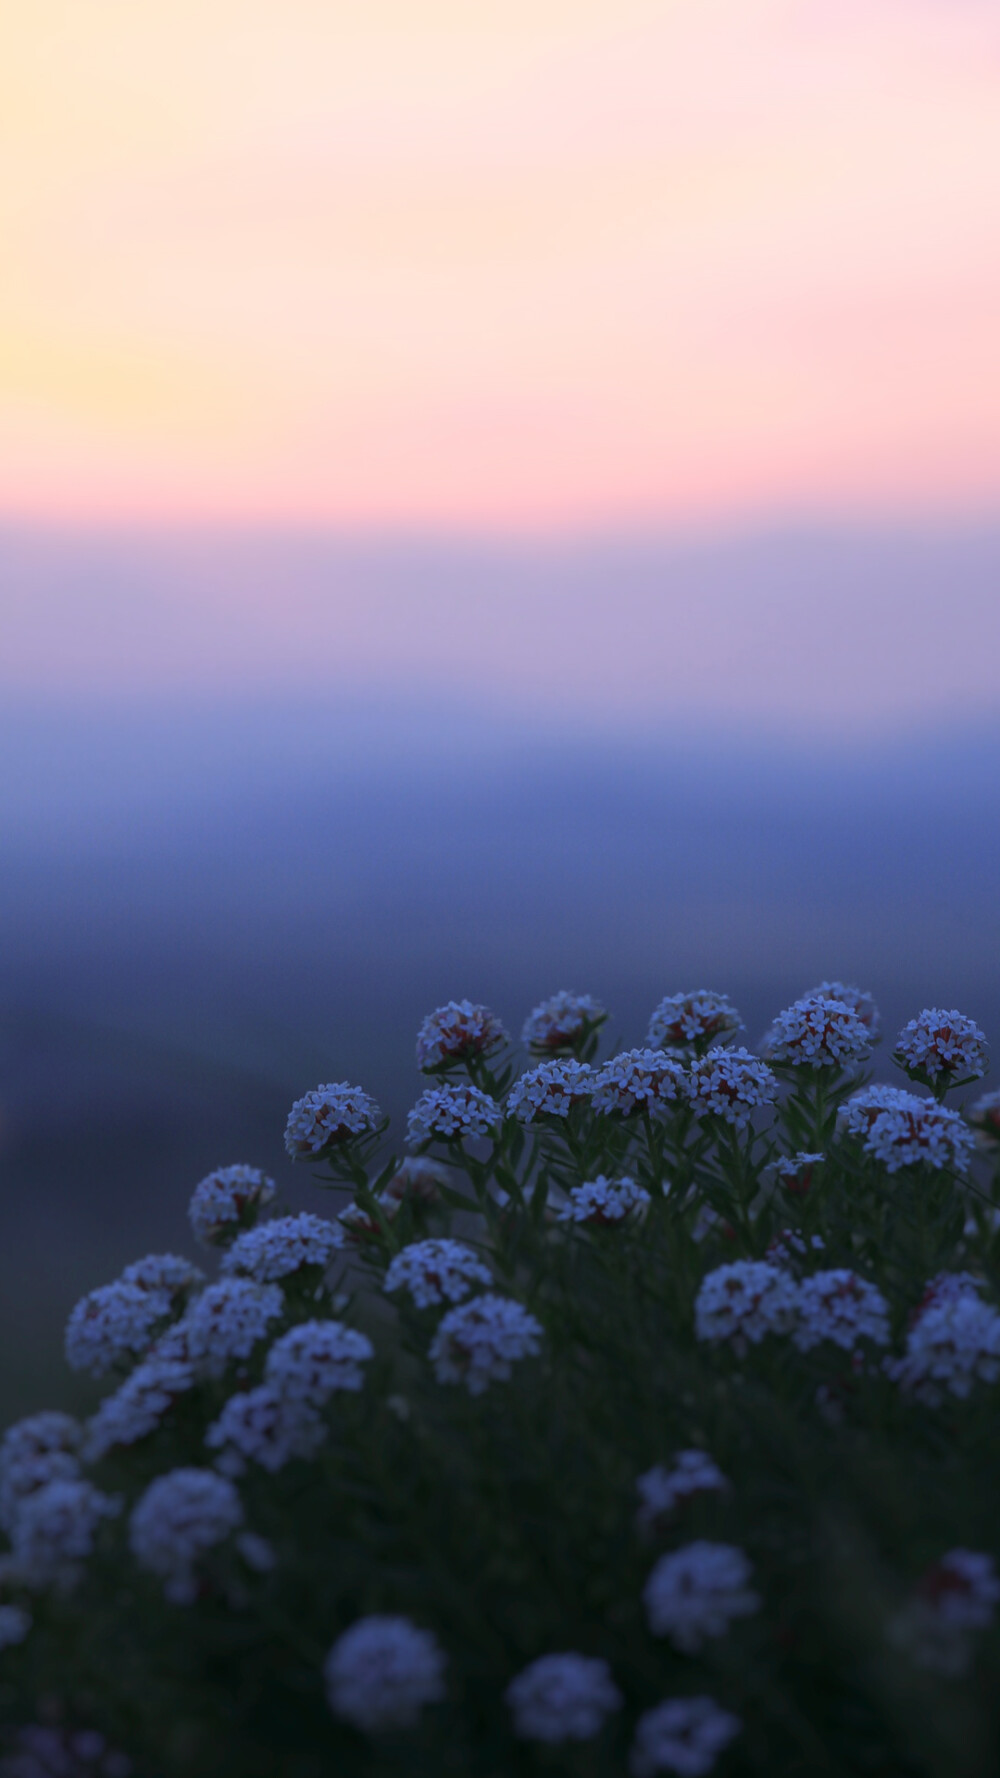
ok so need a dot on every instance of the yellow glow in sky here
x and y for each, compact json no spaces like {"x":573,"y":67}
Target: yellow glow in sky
{"x":507,"y":263}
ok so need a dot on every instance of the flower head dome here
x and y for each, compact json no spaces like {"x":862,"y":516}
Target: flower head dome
{"x":458,"y":1032}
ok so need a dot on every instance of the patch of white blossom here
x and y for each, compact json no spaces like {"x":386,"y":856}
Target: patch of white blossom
{"x":180,"y":1517}
{"x":478,"y":1343}
{"x":841,"y":1307}
{"x":561,"y":1021}
{"x":661,"y":1489}
{"x":41,"y":1448}
{"x":900,"y":1130}
{"x":939,"y":1045}
{"x":694,"y":1593}
{"x":817,"y":1032}
{"x":794,"y":1172}
{"x":54,"y":1529}
{"x":954,"y":1599}
{"x":329,"y":1116}
{"x":858,"y":999}
{"x":789,"y":1246}
{"x":684,"y":1736}
{"x":731,"y":1084}
{"x":265,"y":1426}
{"x":638,"y":1080}
{"x":562,"y":1697}
{"x":222,"y":1199}
{"x":450,"y":1113}
{"x":953,"y":1343}
{"x":458,"y":1032}
{"x":382,"y":1672}
{"x":138,"y":1406}
{"x":314,"y":1360}
{"x":436,"y":1271}
{"x":550,"y":1090}
{"x":113,"y":1324}
{"x":163,"y":1272}
{"x":744,"y":1301}
{"x":606,"y":1201}
{"x":695,"y":1018}
{"x":283,"y":1247}
{"x":227,"y":1319}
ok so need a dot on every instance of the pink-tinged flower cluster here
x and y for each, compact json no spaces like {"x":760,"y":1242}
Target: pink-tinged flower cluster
{"x":418,"y":1179}
{"x":858,"y":999}
{"x":478,"y":1343}
{"x":683,"y":1736}
{"x":817,"y":1032}
{"x":562,"y":1022}
{"x":699,"y":1018}
{"x":138,"y":1406}
{"x":730,"y":1084}
{"x":436,"y":1271}
{"x":607,"y":1202}
{"x":550,"y":1090}
{"x":328,"y":1117}
{"x":113,"y":1324}
{"x":695,"y":1593}
{"x":953,"y":1599}
{"x":939,"y":1047}
{"x":54,"y":1530}
{"x":984,"y":1116}
{"x":316,"y":1359}
{"x":458,"y":1032}
{"x":638,"y":1080}
{"x":265,"y":1426}
{"x":662,"y":1490}
{"x":744,"y":1302}
{"x":382,"y":1672}
{"x":953,"y":1343}
{"x":42,"y":1448}
{"x":281,"y":1248}
{"x":226,"y":1200}
{"x":840,"y":1307}
{"x":452,"y":1113}
{"x":900,"y":1130}
{"x":164,"y":1272}
{"x":562,"y":1697}
{"x":794,"y":1172}
{"x":177,"y":1521}
{"x":226,"y":1321}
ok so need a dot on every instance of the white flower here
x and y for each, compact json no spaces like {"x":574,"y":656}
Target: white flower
{"x":683,"y":1735}
{"x":315,"y":1359}
{"x":744,"y":1301}
{"x":268,"y":1427}
{"x":42,"y":1448}
{"x":954,"y":1598}
{"x":789,"y":1246}
{"x":953,"y":1343}
{"x":730,"y":1084}
{"x":984,"y":1116}
{"x":550,"y":1090}
{"x":563,"y":1697}
{"x":458,"y":1032}
{"x":477,"y":1343}
{"x":661,"y":1489}
{"x":436,"y":1272}
{"x":14,"y":1625}
{"x":418,"y":1178}
{"x":112,"y":1324}
{"x":328,"y":1117}
{"x":452,"y":1112}
{"x":695,"y":1592}
{"x":694,"y":1018}
{"x":795,"y":1172}
{"x":227,"y":1320}
{"x":904,"y":1131}
{"x":561,"y":1022}
{"x":938,"y":1046}
{"x":54,"y":1529}
{"x":817,"y":1032}
{"x":638,"y":1080}
{"x":280,"y":1248}
{"x":222,"y":1200}
{"x":381,"y":1672}
{"x":163,"y":1272}
{"x":181,"y":1516}
{"x":603,"y":1200}
{"x":840,"y":1306}
{"x":138,"y":1406}
{"x":859,"y":1001}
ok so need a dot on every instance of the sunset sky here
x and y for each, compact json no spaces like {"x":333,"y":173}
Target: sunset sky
{"x":501,"y":265}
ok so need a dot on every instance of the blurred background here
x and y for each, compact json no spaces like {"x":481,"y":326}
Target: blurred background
{"x":492,"y":499}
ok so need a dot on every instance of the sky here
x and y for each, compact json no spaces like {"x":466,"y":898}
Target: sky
{"x":519,"y":266}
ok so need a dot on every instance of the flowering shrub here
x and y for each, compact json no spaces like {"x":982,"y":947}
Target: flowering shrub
{"x":643,"y":1419}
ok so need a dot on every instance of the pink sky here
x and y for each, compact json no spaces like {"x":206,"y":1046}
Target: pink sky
{"x":510,"y":264}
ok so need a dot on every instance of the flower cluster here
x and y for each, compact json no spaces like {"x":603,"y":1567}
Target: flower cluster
{"x":694,"y":1593}
{"x":264,"y":1426}
{"x":564,"y":1021}
{"x":954,"y":1341}
{"x":43,"y":1448}
{"x":224,"y":1201}
{"x":858,"y":999}
{"x":452,"y":1113}
{"x":138,"y":1406}
{"x":744,"y":1301}
{"x":550,"y":1090}
{"x":953,"y":1599}
{"x":682,"y":1735}
{"x":817,"y":1032}
{"x":841,"y":1307}
{"x":730,"y":1084}
{"x":794,"y":1172}
{"x":458,"y":1032}
{"x":54,"y":1530}
{"x":692,"y":1020}
{"x":662,"y":1490}
{"x":113,"y":1324}
{"x":900,"y":1130}
{"x":329,"y":1117}
{"x":477,"y":1343}
{"x":227,"y":1320}
{"x":436,"y":1272}
{"x":942,"y":1047}
{"x":606,"y":1201}
{"x":180,"y":1517}
{"x":562,"y":1697}
{"x":638,"y":1080}
{"x":283,"y":1247}
{"x":382,"y":1672}
{"x":314,"y":1360}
